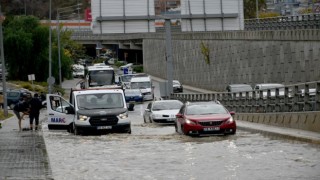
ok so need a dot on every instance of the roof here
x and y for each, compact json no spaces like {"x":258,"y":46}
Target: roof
{"x":97,"y":90}
{"x":140,"y":79}
{"x":92,"y":68}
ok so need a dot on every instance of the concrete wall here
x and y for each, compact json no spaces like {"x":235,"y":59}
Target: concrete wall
{"x":309,"y":121}
{"x":250,"y":57}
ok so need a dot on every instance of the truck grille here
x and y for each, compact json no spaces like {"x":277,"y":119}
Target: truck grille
{"x":211,"y":123}
{"x":103,"y":121}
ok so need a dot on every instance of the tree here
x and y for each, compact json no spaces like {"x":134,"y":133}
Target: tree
{"x":26,"y":45}
{"x":250,"y":8}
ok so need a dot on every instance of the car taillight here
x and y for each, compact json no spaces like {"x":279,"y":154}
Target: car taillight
{"x":188,"y":121}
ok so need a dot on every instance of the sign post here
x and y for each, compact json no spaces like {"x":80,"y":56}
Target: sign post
{"x":31,"y":77}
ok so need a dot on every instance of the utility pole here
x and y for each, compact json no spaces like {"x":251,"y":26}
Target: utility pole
{"x":169,"y":57}
{"x":4,"y":86}
{"x":50,"y":51}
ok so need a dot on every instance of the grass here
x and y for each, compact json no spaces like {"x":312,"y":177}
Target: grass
{"x":2,"y":117}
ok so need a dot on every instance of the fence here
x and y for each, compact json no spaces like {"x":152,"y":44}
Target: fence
{"x":293,"y":98}
{"x":307,"y":21}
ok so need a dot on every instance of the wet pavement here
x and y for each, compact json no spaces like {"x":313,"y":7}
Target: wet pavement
{"x":23,"y":154}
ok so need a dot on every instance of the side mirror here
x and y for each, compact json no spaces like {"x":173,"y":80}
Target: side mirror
{"x":69,"y":110}
{"x":232,"y":113}
{"x":179,"y":116}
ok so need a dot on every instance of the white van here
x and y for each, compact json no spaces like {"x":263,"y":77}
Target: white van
{"x":78,"y":70}
{"x":89,"y":110}
{"x":145,"y":85}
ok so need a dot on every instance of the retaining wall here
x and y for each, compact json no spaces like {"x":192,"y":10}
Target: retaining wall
{"x":286,"y":57}
{"x":309,"y":121}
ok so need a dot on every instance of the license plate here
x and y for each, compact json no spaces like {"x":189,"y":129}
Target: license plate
{"x":104,"y":127}
{"x":211,"y":129}
{"x":171,"y":119}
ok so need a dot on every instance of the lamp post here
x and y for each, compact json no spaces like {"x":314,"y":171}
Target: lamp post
{"x":59,"y":11}
{"x":4,"y":87}
{"x":50,"y":81}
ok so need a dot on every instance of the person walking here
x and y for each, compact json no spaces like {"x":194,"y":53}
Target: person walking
{"x":21,"y":107}
{"x":35,"y":106}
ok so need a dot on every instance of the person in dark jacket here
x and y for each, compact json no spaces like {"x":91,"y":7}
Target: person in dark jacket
{"x":21,"y":107}
{"x":35,"y":106}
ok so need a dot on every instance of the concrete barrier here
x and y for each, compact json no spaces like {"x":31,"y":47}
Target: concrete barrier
{"x":309,"y":121}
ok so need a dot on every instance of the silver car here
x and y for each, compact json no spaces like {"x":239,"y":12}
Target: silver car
{"x":162,"y":111}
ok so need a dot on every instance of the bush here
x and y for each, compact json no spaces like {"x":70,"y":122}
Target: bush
{"x":118,"y":64}
{"x":138,"y":69}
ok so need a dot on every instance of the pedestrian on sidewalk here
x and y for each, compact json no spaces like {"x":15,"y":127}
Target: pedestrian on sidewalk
{"x":21,"y":109}
{"x":35,"y":107}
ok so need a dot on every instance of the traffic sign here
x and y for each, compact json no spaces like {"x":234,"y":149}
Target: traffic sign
{"x":51,"y":80}
{"x":125,"y":70}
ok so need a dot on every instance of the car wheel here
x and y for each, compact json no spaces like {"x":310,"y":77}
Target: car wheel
{"x":70,"y":128}
{"x":129,"y":131}
{"x":75,"y":130}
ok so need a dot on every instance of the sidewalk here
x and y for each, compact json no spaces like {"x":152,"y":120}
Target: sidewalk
{"x":289,"y":133}
{"x":23,"y":154}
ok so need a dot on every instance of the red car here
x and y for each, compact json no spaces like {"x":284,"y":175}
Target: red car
{"x":203,"y":118}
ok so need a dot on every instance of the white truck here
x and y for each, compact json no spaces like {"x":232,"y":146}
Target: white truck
{"x":143,"y":83}
{"x":88,"y":110}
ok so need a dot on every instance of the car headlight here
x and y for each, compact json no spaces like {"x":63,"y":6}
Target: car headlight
{"x":230,"y":120}
{"x":83,"y":118}
{"x":156,"y":115}
{"x":188,"y":121}
{"x":123,"y":115}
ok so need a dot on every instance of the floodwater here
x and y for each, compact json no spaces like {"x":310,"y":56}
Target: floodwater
{"x":156,"y":152}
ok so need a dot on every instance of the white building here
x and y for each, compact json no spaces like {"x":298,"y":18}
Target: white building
{"x":212,"y":15}
{"x":122,"y":16}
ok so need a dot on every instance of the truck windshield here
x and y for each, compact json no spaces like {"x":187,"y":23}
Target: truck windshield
{"x":100,"y":101}
{"x":101,"y":77}
{"x":138,"y":85}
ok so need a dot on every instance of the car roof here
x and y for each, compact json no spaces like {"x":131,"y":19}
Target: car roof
{"x":202,"y":102}
{"x":166,"y":101}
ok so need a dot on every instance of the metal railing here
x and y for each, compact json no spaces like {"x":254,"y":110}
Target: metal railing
{"x":293,"y":98}
{"x":307,"y":21}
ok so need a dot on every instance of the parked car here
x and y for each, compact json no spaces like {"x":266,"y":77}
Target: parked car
{"x":177,"y":86}
{"x":162,"y":111}
{"x":13,"y":96}
{"x":133,"y":95}
{"x":203,"y":118}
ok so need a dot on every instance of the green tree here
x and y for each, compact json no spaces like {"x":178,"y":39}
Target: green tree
{"x":250,"y":8}
{"x":26,"y":45}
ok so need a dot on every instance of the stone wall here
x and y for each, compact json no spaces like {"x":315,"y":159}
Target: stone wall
{"x":250,"y":57}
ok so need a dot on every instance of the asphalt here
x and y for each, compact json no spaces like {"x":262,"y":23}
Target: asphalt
{"x":23,"y":154}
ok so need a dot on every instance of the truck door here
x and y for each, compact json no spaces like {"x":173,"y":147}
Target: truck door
{"x":60,"y":112}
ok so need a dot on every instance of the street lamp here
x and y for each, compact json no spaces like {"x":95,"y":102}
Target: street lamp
{"x":4,"y":87}
{"x":61,"y":11}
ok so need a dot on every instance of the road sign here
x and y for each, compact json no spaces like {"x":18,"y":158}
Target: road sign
{"x":51,"y":80}
{"x":125,"y":70}
{"x":31,"y":77}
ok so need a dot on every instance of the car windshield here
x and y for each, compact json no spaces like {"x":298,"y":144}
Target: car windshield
{"x":166,"y":105}
{"x":101,"y":77}
{"x":126,"y":78}
{"x":133,"y":92}
{"x":176,"y":83}
{"x":204,"y":109}
{"x":138,"y":85}
{"x":100,"y":101}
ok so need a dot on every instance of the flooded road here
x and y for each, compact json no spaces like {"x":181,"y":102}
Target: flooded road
{"x":156,"y":152}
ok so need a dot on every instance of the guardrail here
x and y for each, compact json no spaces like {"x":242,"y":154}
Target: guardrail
{"x":293,"y":98}
{"x":307,"y":21}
